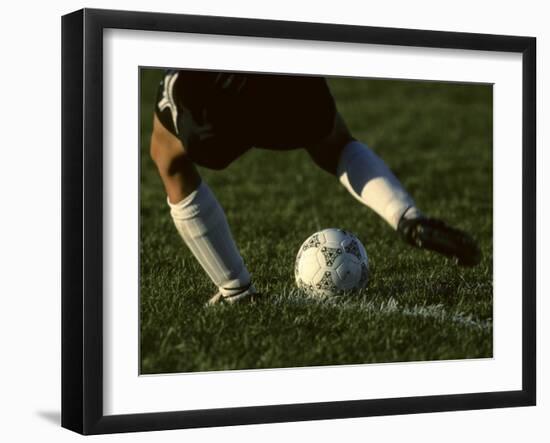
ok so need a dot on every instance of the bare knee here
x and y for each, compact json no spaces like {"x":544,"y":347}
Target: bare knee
{"x":174,"y":165}
{"x":169,"y":162}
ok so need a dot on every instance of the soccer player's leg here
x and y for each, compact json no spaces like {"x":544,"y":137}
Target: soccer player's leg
{"x":199,"y":218}
{"x":367,"y":177}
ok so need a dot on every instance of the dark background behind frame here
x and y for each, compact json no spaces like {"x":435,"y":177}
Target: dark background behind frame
{"x":82,"y":344}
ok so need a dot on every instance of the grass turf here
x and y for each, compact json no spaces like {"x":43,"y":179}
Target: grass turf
{"x":437,"y":138}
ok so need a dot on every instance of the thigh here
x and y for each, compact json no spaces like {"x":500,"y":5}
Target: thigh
{"x":176,"y":169}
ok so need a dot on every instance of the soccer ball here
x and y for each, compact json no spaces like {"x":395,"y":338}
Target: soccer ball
{"x":331,"y":262}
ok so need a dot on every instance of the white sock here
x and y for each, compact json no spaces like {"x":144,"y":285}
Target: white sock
{"x":201,"y":223}
{"x":369,"y":180}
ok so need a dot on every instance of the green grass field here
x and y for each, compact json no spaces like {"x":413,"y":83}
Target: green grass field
{"x":418,"y":306}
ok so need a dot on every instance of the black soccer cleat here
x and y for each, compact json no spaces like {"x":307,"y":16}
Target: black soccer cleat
{"x":435,"y":235}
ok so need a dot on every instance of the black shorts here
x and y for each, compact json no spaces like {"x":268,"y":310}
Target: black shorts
{"x":220,"y":115}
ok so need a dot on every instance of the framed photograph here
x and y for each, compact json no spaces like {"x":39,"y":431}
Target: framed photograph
{"x":268,"y":221}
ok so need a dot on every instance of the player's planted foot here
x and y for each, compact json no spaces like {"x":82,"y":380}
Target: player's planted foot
{"x":230,"y":296}
{"x":435,"y":235}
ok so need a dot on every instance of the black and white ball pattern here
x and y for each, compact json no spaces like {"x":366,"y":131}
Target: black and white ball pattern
{"x":331,"y":262}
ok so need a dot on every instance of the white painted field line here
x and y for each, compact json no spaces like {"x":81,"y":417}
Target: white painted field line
{"x":391,"y":306}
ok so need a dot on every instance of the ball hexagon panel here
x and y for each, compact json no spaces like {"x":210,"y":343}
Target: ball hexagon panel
{"x":349,"y":273}
{"x":308,"y":265}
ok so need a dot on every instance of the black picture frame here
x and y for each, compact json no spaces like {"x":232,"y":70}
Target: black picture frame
{"x":82,"y":220}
